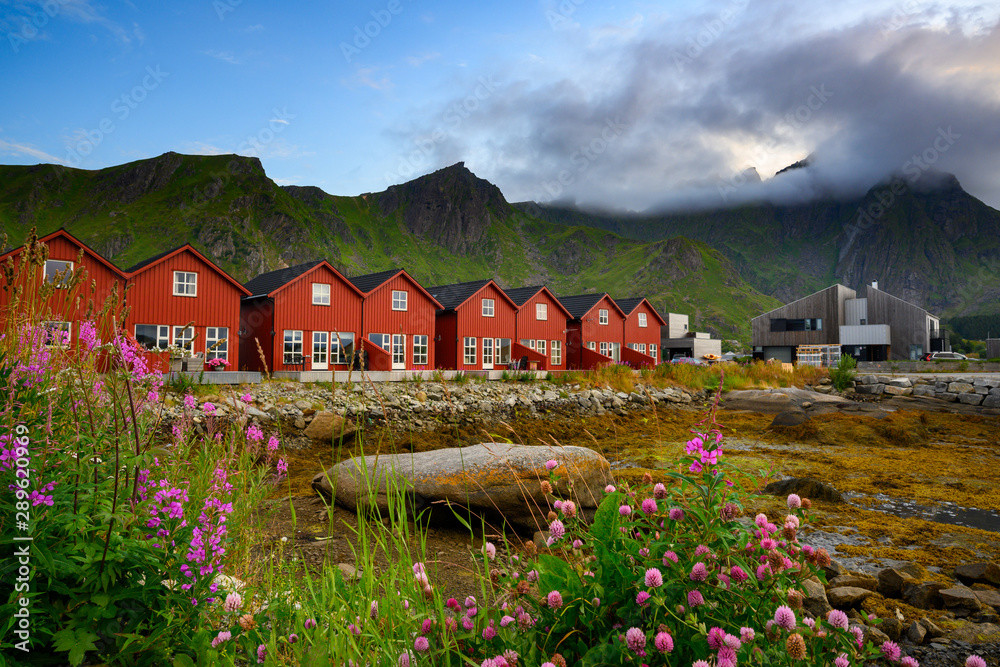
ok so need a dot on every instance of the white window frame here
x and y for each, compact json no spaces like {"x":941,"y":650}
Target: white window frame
{"x":555,"y":350}
{"x":604,"y":349}
{"x":162,"y":336}
{"x":182,"y":284}
{"x":489,"y":346}
{"x":642,"y":347}
{"x":321,"y":296}
{"x":398,"y":351}
{"x":602,"y":316}
{"x":52,"y":326}
{"x":382,"y":340}
{"x":338,"y":352}
{"x":182,"y":341}
{"x":591,"y":345}
{"x":469,"y":355}
{"x":540,"y":347}
{"x":541,"y":312}
{"x":213,"y":336}
{"x":50,"y":276}
{"x":399,"y":299}
{"x":642,"y":320}
{"x":320,"y":352}
{"x":652,"y":350}
{"x":489,"y":307}
{"x":498,"y":348}
{"x":420,"y":350}
{"x":291,"y":341}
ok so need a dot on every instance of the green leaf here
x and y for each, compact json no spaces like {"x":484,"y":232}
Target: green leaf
{"x":182,"y":660}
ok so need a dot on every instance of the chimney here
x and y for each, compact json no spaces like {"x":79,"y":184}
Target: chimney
{"x":875,"y":284}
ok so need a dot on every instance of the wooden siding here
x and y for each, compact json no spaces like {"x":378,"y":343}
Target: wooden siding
{"x":648,"y":335}
{"x":827,"y":304}
{"x":295,"y":311}
{"x":908,"y":323}
{"x":417,"y":319}
{"x":470,"y":322}
{"x":151,"y":301}
{"x":527,"y":326}
{"x":256,"y":325}
{"x":612,"y":332}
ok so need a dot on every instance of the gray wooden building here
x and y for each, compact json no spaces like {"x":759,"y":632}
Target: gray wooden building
{"x":876,"y":327}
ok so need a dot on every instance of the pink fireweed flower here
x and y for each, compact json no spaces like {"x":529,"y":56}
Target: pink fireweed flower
{"x":554,"y":599}
{"x":649,"y":506}
{"x":642,"y":598}
{"x":695,"y":467}
{"x":676,"y":514}
{"x":654,"y":578}
{"x":784,"y":617}
{"x":695,"y":598}
{"x":190,"y":402}
{"x":551,"y":464}
{"x":209,"y":408}
{"x":282,"y":467}
{"x":254,"y":434}
{"x":837,"y":619}
{"x":974,"y":661}
{"x":699,"y":572}
{"x":246,"y":398}
{"x":635,"y":639}
{"x":625,"y":510}
{"x":890,"y":650}
{"x":663,"y":642}
{"x":659,"y":492}
{"x":794,"y":502}
{"x":272,"y":444}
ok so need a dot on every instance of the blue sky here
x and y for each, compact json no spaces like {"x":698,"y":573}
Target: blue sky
{"x":630,"y":104}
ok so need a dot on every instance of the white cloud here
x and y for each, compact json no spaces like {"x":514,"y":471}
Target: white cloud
{"x":26,"y":149}
{"x":224,"y":56}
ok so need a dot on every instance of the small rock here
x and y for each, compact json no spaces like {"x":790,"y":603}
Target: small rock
{"x":806,"y":487}
{"x":349,"y":572}
{"x":893,"y":627}
{"x":960,"y":600}
{"x":815,"y":601}
{"x":933,"y":631}
{"x":988,"y":598}
{"x":876,"y":636}
{"x":843,"y":597}
{"x":916,"y":633}
{"x":421,"y":396}
{"x":790,"y":418}
{"x":924,"y":595}
{"x":858,"y":581}
{"x":300,"y":423}
{"x":891,"y":582}
{"x":981,"y":573}
{"x":834,"y":570}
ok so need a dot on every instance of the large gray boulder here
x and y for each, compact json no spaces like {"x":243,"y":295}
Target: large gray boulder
{"x":496,"y":480}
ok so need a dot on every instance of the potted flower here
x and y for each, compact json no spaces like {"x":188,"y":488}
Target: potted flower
{"x":217,"y":364}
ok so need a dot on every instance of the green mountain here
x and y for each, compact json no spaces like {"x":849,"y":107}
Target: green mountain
{"x":447,"y":226}
{"x":930,"y":243}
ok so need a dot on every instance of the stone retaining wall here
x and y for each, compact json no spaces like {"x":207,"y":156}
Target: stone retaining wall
{"x":967,"y":390}
{"x":971,"y":365}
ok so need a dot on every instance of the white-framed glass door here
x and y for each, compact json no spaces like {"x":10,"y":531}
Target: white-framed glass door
{"x":398,"y":352}
{"x":321,"y":350}
{"x":487,"y":354}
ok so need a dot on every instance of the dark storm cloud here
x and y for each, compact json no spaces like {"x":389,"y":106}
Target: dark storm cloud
{"x":675,"y":119}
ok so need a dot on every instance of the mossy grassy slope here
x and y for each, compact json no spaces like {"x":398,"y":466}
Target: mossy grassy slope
{"x":228,"y":208}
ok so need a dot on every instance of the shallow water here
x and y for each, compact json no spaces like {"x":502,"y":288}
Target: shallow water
{"x":945,"y":512}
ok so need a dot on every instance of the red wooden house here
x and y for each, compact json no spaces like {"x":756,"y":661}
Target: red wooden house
{"x":67,"y":257}
{"x":596,"y":325}
{"x":181,"y":299}
{"x":642,"y":327}
{"x":475,"y":326}
{"x":305,"y":317}
{"x":540,"y":326}
{"x":398,"y":316}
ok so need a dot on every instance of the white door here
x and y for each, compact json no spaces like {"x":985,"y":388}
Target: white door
{"x":398,"y":352}
{"x":320,"y":351}
{"x":487,"y":354}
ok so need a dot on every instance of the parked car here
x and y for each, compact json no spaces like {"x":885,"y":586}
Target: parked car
{"x":952,"y":356}
{"x":688,"y":360}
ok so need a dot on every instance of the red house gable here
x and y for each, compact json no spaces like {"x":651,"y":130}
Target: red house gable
{"x":597,"y":324}
{"x":541,"y":324}
{"x":642,"y":326}
{"x":305,"y":317}
{"x":64,"y":252}
{"x":181,"y":298}
{"x":399,"y":317}
{"x":475,"y":328}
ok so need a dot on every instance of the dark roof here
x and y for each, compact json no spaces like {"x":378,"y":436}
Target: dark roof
{"x":520,"y":295}
{"x":371,"y":281}
{"x":454,"y":295}
{"x":580,"y":305}
{"x":146,"y":262}
{"x":268,"y":282}
{"x":628,"y":305}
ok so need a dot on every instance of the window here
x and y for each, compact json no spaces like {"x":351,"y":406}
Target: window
{"x":541,"y":311}
{"x":216,"y":343}
{"x":556,"y":350}
{"x":293,"y":347}
{"x":153,"y":336}
{"x":529,"y":343}
{"x":525,"y":342}
{"x":321,"y":345}
{"x":57,"y":333}
{"x":184,"y":338}
{"x":57,"y":271}
{"x":503,"y":350}
{"x":604,"y":349}
{"x":185,"y":283}
{"x":642,"y":348}
{"x":642,"y":320}
{"x":591,"y":345}
{"x":469,"y":351}
{"x":807,"y":324}
{"x":382,"y":340}
{"x":398,"y":299}
{"x":321,"y":294}
{"x":487,"y":352}
{"x":419,"y":350}
{"x":616,"y":351}
{"x":398,"y":350}
{"x":341,"y":347}
{"x":487,"y":307}
{"x":602,"y":316}
{"x":540,"y":346}
{"x":652,"y":350}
